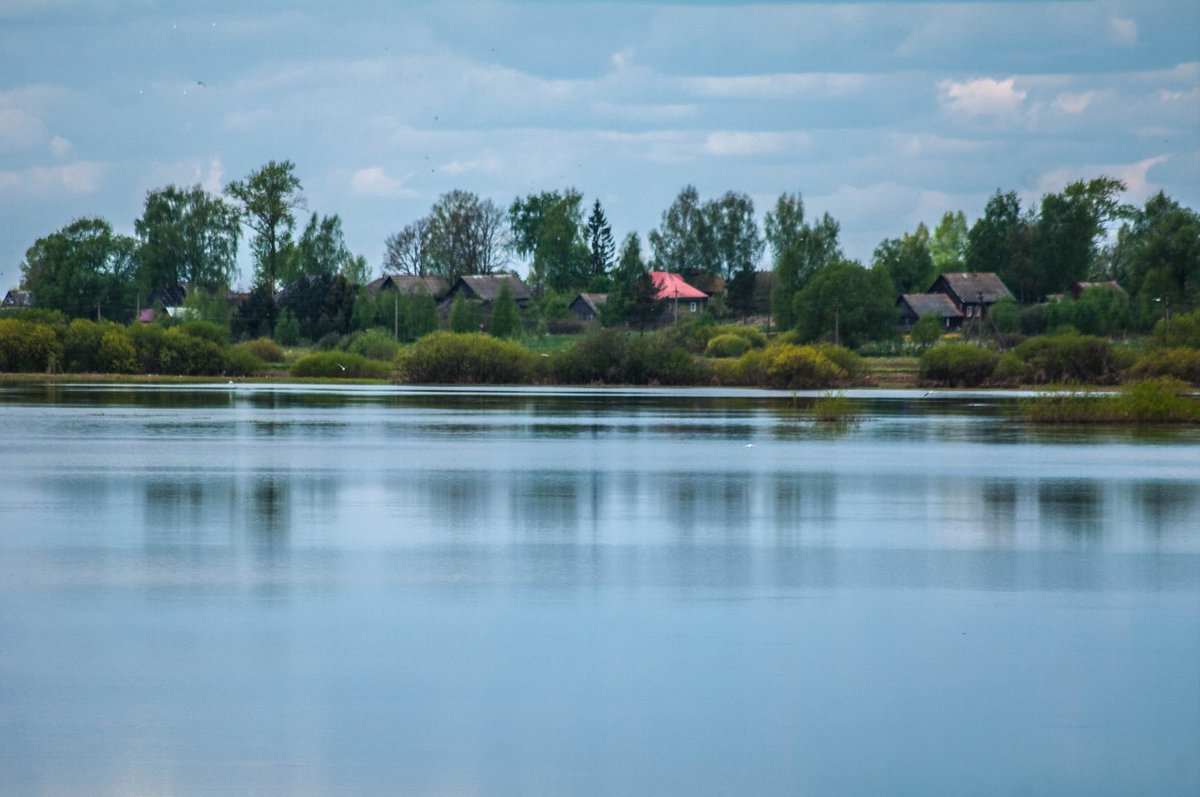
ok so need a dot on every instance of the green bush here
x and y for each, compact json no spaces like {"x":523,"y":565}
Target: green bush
{"x":1182,"y":331}
{"x":374,"y":344}
{"x":927,"y":330}
{"x":116,"y":354}
{"x":598,"y":357}
{"x":654,"y":361}
{"x":240,"y":361}
{"x":465,"y":358}
{"x":81,"y":346}
{"x":264,"y":349}
{"x":1179,"y":363}
{"x":1153,"y":401}
{"x":842,"y":357}
{"x":208,"y":330}
{"x":1069,"y":357}
{"x":958,"y":364}
{"x":148,"y":342}
{"x":1009,"y":371}
{"x":328,"y":342}
{"x":339,"y":365}
{"x":188,"y":355}
{"x":727,"y":345}
{"x":801,"y":367}
{"x":287,"y":330}
{"x":28,"y":346}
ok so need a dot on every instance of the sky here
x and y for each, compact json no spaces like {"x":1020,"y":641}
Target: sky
{"x":882,"y":114}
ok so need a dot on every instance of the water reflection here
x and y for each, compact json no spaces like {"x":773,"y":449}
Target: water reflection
{"x":1073,"y":508}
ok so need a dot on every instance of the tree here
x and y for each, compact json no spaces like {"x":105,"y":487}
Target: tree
{"x":809,"y":249}
{"x":784,"y":224}
{"x":736,"y":242}
{"x":506,"y":319}
{"x":420,"y":315}
{"x":602,"y":247}
{"x":847,"y":304}
{"x":464,"y":315}
{"x":321,"y":252}
{"x":1068,"y":229}
{"x":255,"y":317}
{"x":467,"y":235}
{"x":632,"y":299}
{"x":268,"y":199}
{"x":409,"y":251}
{"x":187,"y":236}
{"x":1158,"y":256}
{"x":548,"y":229}
{"x":948,"y":246}
{"x":84,"y":269}
{"x":907,"y":260}
{"x":1001,"y":241}
{"x":683,"y":243}
{"x":926,"y":331}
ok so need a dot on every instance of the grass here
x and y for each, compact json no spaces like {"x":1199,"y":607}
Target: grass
{"x":835,"y":408}
{"x":1151,"y":402}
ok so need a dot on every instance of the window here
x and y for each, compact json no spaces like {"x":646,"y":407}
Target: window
{"x":692,"y":307}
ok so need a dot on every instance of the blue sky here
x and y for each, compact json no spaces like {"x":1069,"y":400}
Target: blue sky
{"x":883,"y":114}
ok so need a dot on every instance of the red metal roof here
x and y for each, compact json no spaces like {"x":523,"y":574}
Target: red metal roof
{"x":672,"y":286}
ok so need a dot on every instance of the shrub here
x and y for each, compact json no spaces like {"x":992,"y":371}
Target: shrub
{"x":264,"y":349}
{"x":465,"y":358}
{"x":339,"y":365}
{"x":287,"y":330}
{"x":801,"y":367}
{"x":28,"y":346}
{"x":374,"y":344}
{"x":845,"y":359}
{"x":958,"y":364}
{"x":1181,"y":331}
{"x":1068,"y":357}
{"x":654,"y":361}
{"x":240,"y":361}
{"x":187,"y":355}
{"x":81,"y":346}
{"x":116,"y":354}
{"x":835,"y":408}
{"x":927,"y":330}
{"x":1178,"y":363}
{"x":597,"y":357}
{"x":208,"y":330}
{"x":1010,"y":370}
{"x":328,"y":342}
{"x":727,"y":345}
{"x":1161,"y":400}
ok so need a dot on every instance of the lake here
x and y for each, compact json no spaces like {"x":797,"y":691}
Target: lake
{"x":273,"y":589}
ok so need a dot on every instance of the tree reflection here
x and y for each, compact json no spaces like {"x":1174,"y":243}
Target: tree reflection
{"x":1074,"y":507}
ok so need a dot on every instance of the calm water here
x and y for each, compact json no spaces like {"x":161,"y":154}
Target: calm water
{"x":266,"y":590}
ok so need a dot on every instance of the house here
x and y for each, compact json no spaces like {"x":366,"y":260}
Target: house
{"x":972,"y":292}
{"x":671,"y":288}
{"x":168,"y":297}
{"x":1077,"y":288}
{"x":411,"y":285}
{"x":586,"y":306}
{"x":15,"y":300}
{"x":485,"y":289}
{"x":915,"y":305}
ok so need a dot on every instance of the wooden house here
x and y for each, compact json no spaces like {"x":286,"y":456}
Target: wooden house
{"x":411,"y":285}
{"x":586,"y":306}
{"x":683,"y":298}
{"x":1077,"y":288}
{"x":912,"y":306}
{"x":485,"y":289}
{"x":17,"y":300}
{"x":972,"y":292}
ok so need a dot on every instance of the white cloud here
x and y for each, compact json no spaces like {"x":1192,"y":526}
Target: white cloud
{"x":982,"y":97}
{"x":60,"y":147}
{"x":1073,"y":103}
{"x":373,"y":181}
{"x":19,"y":129}
{"x":742,"y":143}
{"x":1124,"y":31}
{"x":487,"y":165}
{"x":69,"y":179}
{"x":209,"y":175}
{"x":1135,"y":176}
{"x":776,"y":86}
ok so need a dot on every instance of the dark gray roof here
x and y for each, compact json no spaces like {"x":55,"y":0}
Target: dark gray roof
{"x":968,"y":286}
{"x":486,"y":287}
{"x":411,"y":285}
{"x":935,"y":304}
{"x":167,"y":295}
{"x":18,"y":299}
{"x":592,"y":300}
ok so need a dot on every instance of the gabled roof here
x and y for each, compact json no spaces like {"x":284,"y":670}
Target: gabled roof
{"x":1077,"y":288}
{"x":671,"y":286}
{"x":593,"y":301}
{"x":486,"y":287}
{"x":168,"y":295}
{"x":411,"y":285}
{"x":969,"y":286}
{"x":935,"y":304}
{"x":15,"y":298}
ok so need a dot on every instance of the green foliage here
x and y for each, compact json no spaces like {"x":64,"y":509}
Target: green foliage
{"x":322,"y":304}
{"x":255,"y":317}
{"x":207,"y":330}
{"x":240,"y":361}
{"x":801,"y":251}
{"x":835,"y":408}
{"x":287,"y":330}
{"x":1182,"y":330}
{"x":1153,"y":401}
{"x":81,"y":346}
{"x":958,"y":364}
{"x":631,"y":301}
{"x":1005,"y":315}
{"x":948,"y":246}
{"x":1001,"y":241}
{"x":320,"y":252}
{"x":203,"y":305}
{"x":263,"y":349}
{"x":28,"y":346}
{"x":116,"y":354}
{"x":339,"y":365}
{"x":374,"y":344}
{"x":187,"y":237}
{"x":1158,"y":256}
{"x":473,"y":358}
{"x":1010,"y":371}
{"x":1069,"y":357}
{"x":188,"y":355}
{"x":1177,"y":363}
{"x":907,"y":261}
{"x":927,"y":330}
{"x":84,"y":270}
{"x":602,"y":248}
{"x":506,"y":319}
{"x":267,"y":200}
{"x":1067,"y":229}
{"x":727,"y":345}
{"x":419,"y":315}
{"x":465,"y":316}
{"x":800,"y":368}
{"x":613,"y":357}
{"x":372,"y":310}
{"x":846,"y":302}
{"x":842,"y":357}
{"x":548,"y":228}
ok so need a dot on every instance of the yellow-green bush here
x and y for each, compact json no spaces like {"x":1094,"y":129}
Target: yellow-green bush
{"x":1178,"y":363}
{"x":28,"y":346}
{"x":801,"y":367}
{"x":465,"y":358}
{"x":1153,"y":401}
{"x":958,"y":364}
{"x":727,"y":345}
{"x":264,"y":349}
{"x":339,"y":365}
{"x":373,"y":344}
{"x":116,"y":354}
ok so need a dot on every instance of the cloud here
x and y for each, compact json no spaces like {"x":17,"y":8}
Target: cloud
{"x":1135,"y":176}
{"x":1073,"y":103}
{"x":19,"y":129}
{"x":1124,"y":31}
{"x":776,"y":86}
{"x":209,"y":175}
{"x":487,"y":165}
{"x":373,"y":181}
{"x":741,"y":143}
{"x":60,"y":147}
{"x":69,"y":179}
{"x":982,"y":97}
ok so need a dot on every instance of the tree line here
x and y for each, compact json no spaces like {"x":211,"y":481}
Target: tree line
{"x":189,"y":235}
